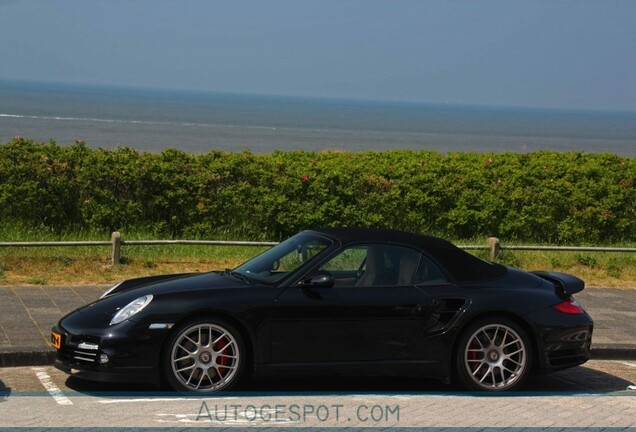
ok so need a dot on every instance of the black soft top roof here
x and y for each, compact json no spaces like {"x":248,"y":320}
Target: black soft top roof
{"x":461,"y":265}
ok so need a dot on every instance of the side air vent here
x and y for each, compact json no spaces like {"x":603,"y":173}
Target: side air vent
{"x":444,"y":313}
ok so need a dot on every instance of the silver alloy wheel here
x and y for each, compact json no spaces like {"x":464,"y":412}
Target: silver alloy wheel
{"x":205,"y":357}
{"x":495,"y":357}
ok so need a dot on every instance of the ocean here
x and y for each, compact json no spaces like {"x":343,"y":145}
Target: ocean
{"x":198,"y":122}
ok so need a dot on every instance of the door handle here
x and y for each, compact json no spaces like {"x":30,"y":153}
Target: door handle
{"x":409,"y":309}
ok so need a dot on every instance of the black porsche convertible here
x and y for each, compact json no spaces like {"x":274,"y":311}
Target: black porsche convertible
{"x":334,"y":301}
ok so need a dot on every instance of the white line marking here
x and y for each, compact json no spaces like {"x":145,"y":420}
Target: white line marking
{"x":261,"y":416}
{"x":627,"y":363}
{"x":141,"y":400}
{"x":50,"y":387}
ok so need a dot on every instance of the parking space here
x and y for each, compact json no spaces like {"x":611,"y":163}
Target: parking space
{"x":595,"y":395}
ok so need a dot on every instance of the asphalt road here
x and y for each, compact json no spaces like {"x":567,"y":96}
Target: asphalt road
{"x":594,"y":395}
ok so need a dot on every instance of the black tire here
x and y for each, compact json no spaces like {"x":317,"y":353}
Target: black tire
{"x":493,"y":354}
{"x":204,"y":355}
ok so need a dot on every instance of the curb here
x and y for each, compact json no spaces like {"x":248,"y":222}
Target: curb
{"x":613,"y":352}
{"x":45,"y":357}
{"x":42,"y":357}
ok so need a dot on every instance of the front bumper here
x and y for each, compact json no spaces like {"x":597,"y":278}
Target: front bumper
{"x":109,"y":356}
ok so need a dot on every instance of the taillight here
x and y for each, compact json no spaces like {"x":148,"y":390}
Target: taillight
{"x":569,"y":306}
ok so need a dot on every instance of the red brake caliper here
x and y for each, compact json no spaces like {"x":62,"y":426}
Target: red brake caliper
{"x":472,"y":355}
{"x":223,"y":360}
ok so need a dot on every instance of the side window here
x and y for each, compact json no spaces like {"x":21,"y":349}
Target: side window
{"x":373,"y":265}
{"x":429,"y":273}
{"x":297,"y":257}
{"x":349,"y":260}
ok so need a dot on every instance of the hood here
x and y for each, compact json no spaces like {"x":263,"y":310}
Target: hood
{"x":129,"y":284}
{"x":135,"y":288}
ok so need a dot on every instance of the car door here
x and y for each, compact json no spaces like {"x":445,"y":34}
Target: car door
{"x":369,"y":314}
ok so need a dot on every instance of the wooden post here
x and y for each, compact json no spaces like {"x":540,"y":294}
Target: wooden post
{"x":116,"y":241}
{"x":495,"y":247}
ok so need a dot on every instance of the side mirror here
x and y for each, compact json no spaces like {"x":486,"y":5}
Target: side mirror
{"x":320,"y":280}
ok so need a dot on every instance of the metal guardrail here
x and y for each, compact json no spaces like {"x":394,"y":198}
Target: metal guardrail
{"x":116,"y":243}
{"x":571,"y":248}
{"x":55,"y":243}
{"x":551,"y":248}
{"x":493,"y":245}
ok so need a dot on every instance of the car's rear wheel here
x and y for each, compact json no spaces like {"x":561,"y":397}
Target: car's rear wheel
{"x":204,"y":355}
{"x":493,"y":354}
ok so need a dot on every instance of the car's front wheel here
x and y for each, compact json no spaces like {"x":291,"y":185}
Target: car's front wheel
{"x":493,"y":354}
{"x":204,"y":355}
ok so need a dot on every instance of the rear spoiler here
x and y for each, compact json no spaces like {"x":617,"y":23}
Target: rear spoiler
{"x":566,"y":284}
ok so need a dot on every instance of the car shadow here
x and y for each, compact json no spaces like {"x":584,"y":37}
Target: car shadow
{"x":4,"y":391}
{"x":576,"y":380}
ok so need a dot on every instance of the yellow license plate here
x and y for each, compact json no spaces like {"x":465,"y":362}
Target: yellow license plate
{"x":56,"y":340}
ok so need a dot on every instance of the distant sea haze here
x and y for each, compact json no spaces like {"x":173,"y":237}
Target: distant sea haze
{"x":153,"y":120}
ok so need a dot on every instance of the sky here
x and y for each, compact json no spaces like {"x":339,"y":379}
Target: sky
{"x":536,"y":53}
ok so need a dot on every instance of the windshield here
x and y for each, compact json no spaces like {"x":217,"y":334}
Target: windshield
{"x":275,"y":264}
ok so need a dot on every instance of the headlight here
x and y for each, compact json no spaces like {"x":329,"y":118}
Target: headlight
{"x":111,"y":289}
{"x":131,"y":309}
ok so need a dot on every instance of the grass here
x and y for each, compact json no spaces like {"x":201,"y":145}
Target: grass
{"x":91,"y":265}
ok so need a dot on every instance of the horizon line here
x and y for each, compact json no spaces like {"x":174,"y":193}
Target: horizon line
{"x":297,"y":97}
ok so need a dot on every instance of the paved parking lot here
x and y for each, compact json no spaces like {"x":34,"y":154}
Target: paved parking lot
{"x":592,"y":396}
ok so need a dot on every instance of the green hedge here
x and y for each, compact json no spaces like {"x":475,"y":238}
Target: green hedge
{"x":543,"y":196}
